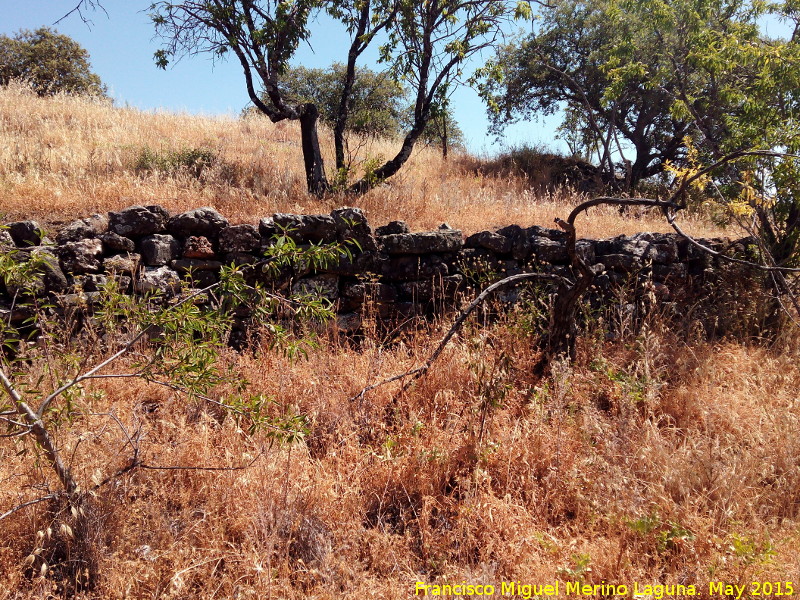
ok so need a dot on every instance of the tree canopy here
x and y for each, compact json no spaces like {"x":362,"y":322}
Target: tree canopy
{"x":51,"y":62}
{"x":426,"y":45}
{"x":639,"y":78}
{"x":376,"y":100}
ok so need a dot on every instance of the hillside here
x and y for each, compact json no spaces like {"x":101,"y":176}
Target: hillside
{"x":665,"y":454}
{"x":66,"y":157}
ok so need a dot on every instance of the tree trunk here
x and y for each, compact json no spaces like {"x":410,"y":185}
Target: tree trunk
{"x":444,"y":136}
{"x":563,"y":331}
{"x":312,"y":155}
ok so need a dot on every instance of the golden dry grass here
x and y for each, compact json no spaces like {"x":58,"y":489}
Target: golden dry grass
{"x":65,"y":157}
{"x":650,"y":462}
{"x":649,"y":459}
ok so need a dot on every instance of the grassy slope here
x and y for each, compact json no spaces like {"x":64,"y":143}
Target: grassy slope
{"x":649,"y":459}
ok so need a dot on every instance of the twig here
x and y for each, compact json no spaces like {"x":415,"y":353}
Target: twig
{"x":84,"y":4}
{"x":126,"y":348}
{"x":10,"y":512}
{"x":418,"y":372}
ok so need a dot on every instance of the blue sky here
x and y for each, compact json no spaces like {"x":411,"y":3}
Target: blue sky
{"x":121,"y":46}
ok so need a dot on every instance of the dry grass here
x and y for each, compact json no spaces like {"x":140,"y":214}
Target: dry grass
{"x":66,"y":157}
{"x":649,"y":459}
{"x":646,"y":461}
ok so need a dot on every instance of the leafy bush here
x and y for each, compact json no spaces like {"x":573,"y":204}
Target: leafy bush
{"x":193,"y":161}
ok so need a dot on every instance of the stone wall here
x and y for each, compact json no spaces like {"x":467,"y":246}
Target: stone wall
{"x":396,"y":272}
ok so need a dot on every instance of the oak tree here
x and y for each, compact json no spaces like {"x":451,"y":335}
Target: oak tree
{"x":49,"y":61}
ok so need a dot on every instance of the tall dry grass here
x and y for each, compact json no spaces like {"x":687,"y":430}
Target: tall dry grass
{"x":65,"y":157}
{"x":646,"y":460}
{"x":655,"y":457}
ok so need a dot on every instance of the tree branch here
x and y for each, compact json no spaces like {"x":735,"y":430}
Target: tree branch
{"x":418,"y":372}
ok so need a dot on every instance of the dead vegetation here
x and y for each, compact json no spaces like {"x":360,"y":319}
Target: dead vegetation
{"x":656,"y":456}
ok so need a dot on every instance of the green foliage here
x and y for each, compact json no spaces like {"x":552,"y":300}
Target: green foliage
{"x":442,"y":129}
{"x":580,"y":568}
{"x":49,"y":61}
{"x":751,"y":551}
{"x":425,"y":47}
{"x":665,"y":536}
{"x":650,"y":74}
{"x":177,"y":343}
{"x":376,"y":100}
{"x":193,"y":161}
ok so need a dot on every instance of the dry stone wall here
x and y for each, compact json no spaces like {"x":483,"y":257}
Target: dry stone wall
{"x":396,"y":272}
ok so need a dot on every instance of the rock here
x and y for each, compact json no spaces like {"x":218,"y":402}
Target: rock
{"x":54,"y":278}
{"x":187,"y":265}
{"x":201,"y":221}
{"x":83,"y":228}
{"x":659,"y":248}
{"x":159,"y":249}
{"x":240,"y":259}
{"x":356,"y":264}
{"x":49,"y":277}
{"x":307,"y":228}
{"x":6,"y":241}
{"x":425,"y":242}
{"x":25,"y":233}
{"x":549,"y":251}
{"x":267,"y":229}
{"x":198,"y":246}
{"x":352,"y":226}
{"x":122,"y":263}
{"x":393,"y":228}
{"x":551,"y":234}
{"x":80,"y":257}
{"x":348,"y":322}
{"x":481,"y":265}
{"x":94,"y":282}
{"x":324,"y":286}
{"x":202,"y":279}
{"x":15,"y":314}
{"x":624,"y":263}
{"x":412,"y":268}
{"x":79,"y":300}
{"x":415,"y":291}
{"x":365,"y":291}
{"x":585,"y":249}
{"x":436,"y":290}
{"x":157,"y":280}
{"x":452,"y":285}
{"x":654,"y":247}
{"x":114,"y":242}
{"x":138,"y":220}
{"x":491,"y":241}
{"x":520,"y":242}
{"x":665,"y":273}
{"x":239,"y":238}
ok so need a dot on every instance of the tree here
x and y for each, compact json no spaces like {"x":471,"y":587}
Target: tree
{"x":644,"y":76}
{"x":376,"y":100}
{"x":427,"y":46}
{"x":442,"y":130}
{"x":176,"y":342}
{"x":50,"y":61}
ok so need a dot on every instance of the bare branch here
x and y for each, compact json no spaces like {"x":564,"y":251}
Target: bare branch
{"x":418,"y":372}
{"x":82,"y":6}
{"x":19,"y":507}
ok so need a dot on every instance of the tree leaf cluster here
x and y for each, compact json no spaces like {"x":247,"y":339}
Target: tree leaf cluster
{"x":49,"y":61}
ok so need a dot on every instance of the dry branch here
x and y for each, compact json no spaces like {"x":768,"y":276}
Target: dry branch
{"x":418,"y":372}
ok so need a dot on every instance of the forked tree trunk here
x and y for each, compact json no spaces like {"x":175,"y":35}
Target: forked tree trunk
{"x":312,"y":155}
